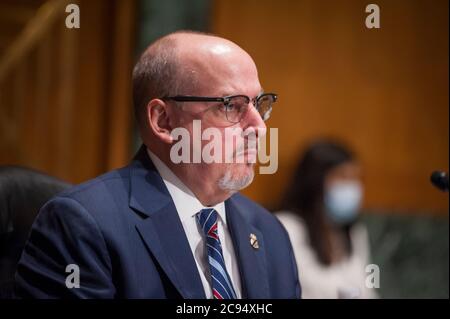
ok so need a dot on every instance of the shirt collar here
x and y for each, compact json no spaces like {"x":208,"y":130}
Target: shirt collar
{"x":186,"y":203}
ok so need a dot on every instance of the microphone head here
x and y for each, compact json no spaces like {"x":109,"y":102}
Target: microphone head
{"x":440,"y":180}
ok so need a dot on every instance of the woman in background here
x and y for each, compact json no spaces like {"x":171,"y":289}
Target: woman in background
{"x":319,"y":213}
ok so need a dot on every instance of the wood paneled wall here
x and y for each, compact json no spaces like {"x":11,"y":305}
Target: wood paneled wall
{"x":382,"y":91}
{"x":66,"y":107}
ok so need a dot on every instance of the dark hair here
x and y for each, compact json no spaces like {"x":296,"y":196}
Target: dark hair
{"x":305,"y":194}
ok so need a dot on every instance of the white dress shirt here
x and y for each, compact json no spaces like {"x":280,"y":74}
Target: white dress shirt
{"x":188,"y":206}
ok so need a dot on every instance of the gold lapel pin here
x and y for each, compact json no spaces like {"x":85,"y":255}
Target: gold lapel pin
{"x":254,"y":241}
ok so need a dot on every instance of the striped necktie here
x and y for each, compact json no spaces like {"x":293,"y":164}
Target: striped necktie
{"x":222,"y":287}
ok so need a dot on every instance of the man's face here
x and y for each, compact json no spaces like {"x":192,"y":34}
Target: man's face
{"x":222,"y":70}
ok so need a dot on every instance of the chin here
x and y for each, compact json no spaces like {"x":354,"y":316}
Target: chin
{"x":237,"y":178}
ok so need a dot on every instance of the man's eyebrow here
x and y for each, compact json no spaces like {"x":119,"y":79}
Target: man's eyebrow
{"x":231,"y":94}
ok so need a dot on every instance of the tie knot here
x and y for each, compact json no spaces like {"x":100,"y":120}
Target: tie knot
{"x":207,"y":218}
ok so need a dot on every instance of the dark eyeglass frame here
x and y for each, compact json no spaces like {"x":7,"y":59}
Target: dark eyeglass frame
{"x":225,"y":100}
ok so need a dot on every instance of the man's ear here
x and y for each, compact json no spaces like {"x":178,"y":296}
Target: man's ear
{"x":158,"y":120}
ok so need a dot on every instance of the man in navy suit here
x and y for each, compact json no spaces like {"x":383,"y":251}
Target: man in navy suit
{"x":161,"y":228}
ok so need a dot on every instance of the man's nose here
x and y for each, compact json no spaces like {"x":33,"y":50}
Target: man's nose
{"x":254,"y":120}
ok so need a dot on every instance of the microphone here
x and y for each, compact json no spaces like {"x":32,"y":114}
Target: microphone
{"x":440,"y":180}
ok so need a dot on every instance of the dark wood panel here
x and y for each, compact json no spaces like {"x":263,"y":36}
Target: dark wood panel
{"x":69,"y":101}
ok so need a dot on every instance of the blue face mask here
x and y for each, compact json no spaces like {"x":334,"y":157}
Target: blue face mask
{"x":343,"y":201}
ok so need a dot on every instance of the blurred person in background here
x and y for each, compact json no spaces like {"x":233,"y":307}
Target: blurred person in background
{"x":320,"y":213}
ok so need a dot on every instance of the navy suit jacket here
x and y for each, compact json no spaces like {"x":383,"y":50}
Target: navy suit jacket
{"x":123,"y":232}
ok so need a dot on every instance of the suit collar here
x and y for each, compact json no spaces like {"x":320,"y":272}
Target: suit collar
{"x":251,"y":261}
{"x":161,"y":229}
{"x":145,"y":180}
{"x":185,"y":201}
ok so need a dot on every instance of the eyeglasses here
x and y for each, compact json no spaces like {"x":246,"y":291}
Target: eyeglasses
{"x":234,"y":107}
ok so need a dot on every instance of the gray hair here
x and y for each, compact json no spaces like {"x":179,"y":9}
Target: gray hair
{"x":155,"y":74}
{"x":159,"y":72}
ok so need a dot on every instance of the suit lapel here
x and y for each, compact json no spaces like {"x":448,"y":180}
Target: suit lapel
{"x":251,"y":261}
{"x":161,"y":229}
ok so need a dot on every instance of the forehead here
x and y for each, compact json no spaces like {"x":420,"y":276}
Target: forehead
{"x":223,"y":69}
